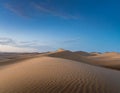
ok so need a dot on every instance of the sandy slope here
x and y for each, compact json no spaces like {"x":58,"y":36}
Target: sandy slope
{"x":110,"y":59}
{"x":13,"y":58}
{"x":56,"y":75}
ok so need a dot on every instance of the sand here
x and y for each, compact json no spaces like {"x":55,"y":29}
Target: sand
{"x":62,"y":71}
{"x":13,"y":58}
{"x":109,"y":60}
{"x":57,"y":75}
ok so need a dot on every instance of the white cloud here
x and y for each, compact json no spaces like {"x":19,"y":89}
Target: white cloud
{"x":8,"y":48}
{"x":10,"y":45}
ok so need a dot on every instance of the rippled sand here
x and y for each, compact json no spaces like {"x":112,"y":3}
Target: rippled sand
{"x":57,"y":75}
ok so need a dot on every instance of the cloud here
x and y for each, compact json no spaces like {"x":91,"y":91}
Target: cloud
{"x":6,"y":41}
{"x":27,"y":44}
{"x":53,"y":11}
{"x":8,"y":48}
{"x":16,"y":9}
{"x":8,"y":44}
{"x":35,"y":45}
{"x":72,"y":41}
{"x":26,"y":9}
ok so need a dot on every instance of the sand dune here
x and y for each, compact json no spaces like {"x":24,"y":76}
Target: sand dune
{"x":109,"y":60}
{"x":13,"y":58}
{"x":56,"y":75}
{"x":61,"y":71}
{"x":66,"y":54}
{"x":82,"y":53}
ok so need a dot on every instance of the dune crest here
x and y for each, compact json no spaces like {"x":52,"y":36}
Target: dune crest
{"x":61,"y":50}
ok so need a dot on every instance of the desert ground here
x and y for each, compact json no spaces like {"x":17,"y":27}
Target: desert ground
{"x":61,"y":71}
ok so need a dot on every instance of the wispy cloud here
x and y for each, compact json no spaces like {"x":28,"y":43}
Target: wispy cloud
{"x":22,"y":46}
{"x":6,"y":41}
{"x":26,"y":9}
{"x":53,"y":11}
{"x":16,"y":9}
{"x":72,"y":41}
{"x":8,"y":48}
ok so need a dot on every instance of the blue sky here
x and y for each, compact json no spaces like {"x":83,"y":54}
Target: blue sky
{"x":42,"y":25}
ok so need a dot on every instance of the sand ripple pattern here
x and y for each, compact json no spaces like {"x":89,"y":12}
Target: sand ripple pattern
{"x":55,"y":75}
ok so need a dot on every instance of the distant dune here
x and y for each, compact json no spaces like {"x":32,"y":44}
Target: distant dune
{"x":109,"y":60}
{"x":66,"y":54}
{"x":56,"y":75}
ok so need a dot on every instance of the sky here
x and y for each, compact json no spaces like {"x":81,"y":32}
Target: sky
{"x":46,"y":25}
